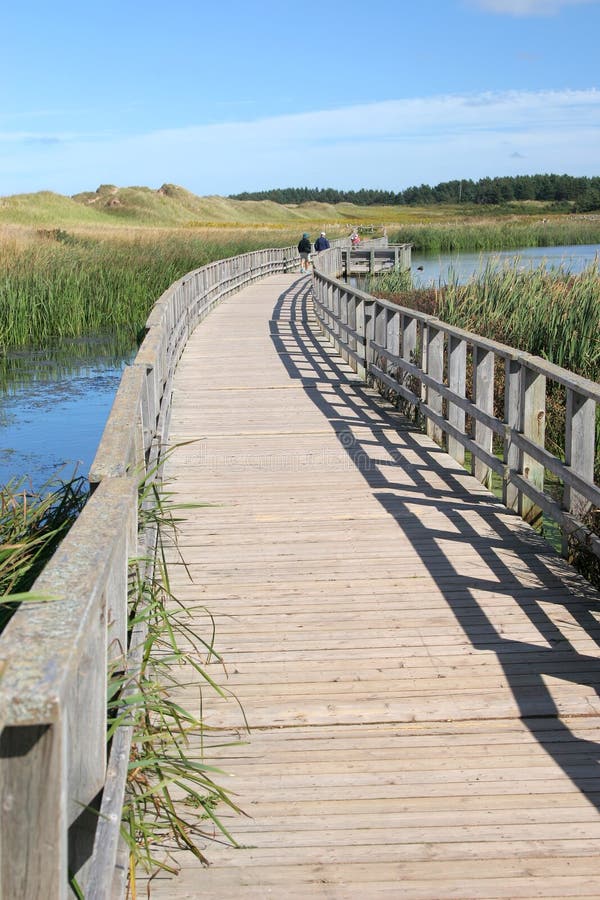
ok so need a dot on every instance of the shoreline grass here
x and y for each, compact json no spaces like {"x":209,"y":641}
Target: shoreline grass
{"x":65,"y":285}
{"x":32,"y":524}
{"x":486,"y":235}
{"x":550,"y":313}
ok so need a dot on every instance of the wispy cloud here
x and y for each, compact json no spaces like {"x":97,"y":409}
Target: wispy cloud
{"x":393,"y":143}
{"x":526,"y":7}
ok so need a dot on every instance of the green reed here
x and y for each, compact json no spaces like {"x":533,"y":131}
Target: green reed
{"x":550,"y":313}
{"x":62,"y":286}
{"x":547,"y":312}
{"x":174,"y":799}
{"x":503,"y":235}
{"x":32,"y":524}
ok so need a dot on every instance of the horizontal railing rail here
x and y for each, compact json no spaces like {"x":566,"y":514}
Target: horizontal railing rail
{"x":499,"y":417}
{"x":60,"y":795}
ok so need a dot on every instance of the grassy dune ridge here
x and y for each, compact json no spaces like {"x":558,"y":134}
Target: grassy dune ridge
{"x":173,"y":206}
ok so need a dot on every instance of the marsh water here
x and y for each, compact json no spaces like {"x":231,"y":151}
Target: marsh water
{"x":54,"y":403}
{"x":431,"y":269}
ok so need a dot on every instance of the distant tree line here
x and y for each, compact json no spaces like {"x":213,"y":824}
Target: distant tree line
{"x":583,"y":194}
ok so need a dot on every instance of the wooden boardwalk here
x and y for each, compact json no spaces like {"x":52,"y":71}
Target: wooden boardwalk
{"x":419,"y":671}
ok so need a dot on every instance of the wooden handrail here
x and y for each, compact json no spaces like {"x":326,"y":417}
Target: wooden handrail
{"x":423,"y":361}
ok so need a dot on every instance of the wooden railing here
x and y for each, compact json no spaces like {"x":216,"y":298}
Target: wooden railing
{"x":501,"y":423}
{"x":60,"y":796}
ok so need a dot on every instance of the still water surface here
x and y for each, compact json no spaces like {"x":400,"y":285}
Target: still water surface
{"x":430,"y":269}
{"x":53,"y":408}
{"x":54,"y":404}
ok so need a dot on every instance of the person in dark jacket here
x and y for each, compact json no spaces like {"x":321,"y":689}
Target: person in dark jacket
{"x":322,"y":243}
{"x":304,"y":248}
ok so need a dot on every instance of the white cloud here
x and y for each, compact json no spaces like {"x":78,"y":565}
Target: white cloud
{"x":526,"y":7}
{"x":392,"y":144}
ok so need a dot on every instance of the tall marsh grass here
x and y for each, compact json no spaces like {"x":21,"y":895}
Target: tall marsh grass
{"x":449,"y":237}
{"x":61,"y":285}
{"x":547,"y":312}
{"x":552,"y":314}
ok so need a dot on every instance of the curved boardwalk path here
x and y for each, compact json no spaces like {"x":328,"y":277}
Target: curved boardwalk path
{"x":418,"y":670}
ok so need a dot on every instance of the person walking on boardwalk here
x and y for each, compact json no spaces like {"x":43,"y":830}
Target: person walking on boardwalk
{"x":322,"y":243}
{"x":304,"y":248}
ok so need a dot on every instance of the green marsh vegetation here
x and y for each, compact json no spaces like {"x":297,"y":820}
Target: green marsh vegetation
{"x":550,"y":313}
{"x":512,"y":233}
{"x":62,"y":284}
{"x":547,"y":312}
{"x":32,"y":524}
{"x":81,"y":280}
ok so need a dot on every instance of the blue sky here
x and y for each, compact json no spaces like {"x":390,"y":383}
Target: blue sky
{"x":221,"y":98}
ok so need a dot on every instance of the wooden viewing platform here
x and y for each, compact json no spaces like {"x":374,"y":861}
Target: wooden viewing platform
{"x":418,"y":669}
{"x":375,"y":260}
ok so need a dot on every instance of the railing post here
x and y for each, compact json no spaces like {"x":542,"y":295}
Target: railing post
{"x":457,"y":378}
{"x":410,"y":339}
{"x":335,"y":311}
{"x":331,"y":290}
{"x":533,"y":428}
{"x":483,"y":397}
{"x":369,"y":334}
{"x":380,"y":335}
{"x":33,"y":841}
{"x":435,"y":369}
{"x":392,"y":342}
{"x":352,"y":302}
{"x":580,"y":441}
{"x":513,"y":399}
{"x":343,"y":334}
{"x":361,"y":330}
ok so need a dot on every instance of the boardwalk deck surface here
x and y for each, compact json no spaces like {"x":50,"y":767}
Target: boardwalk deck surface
{"x":418,"y":670}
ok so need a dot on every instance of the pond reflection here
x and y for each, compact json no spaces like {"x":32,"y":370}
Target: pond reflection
{"x":54,"y":404}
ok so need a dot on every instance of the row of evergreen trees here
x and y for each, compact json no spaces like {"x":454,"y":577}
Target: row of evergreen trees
{"x":583,"y":194}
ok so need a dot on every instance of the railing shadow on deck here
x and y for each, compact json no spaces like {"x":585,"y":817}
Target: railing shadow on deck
{"x":326,"y":384}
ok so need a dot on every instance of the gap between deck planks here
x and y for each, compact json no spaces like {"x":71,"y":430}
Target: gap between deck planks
{"x":419,"y":670}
